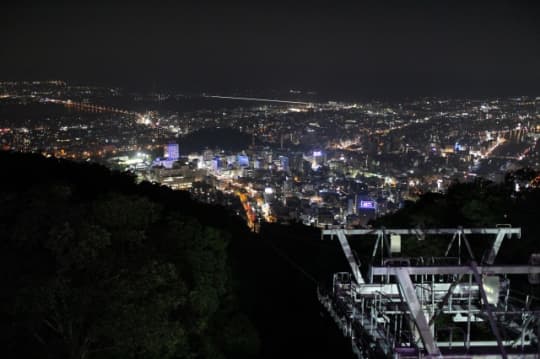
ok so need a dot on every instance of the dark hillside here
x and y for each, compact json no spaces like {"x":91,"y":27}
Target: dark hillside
{"x":141,"y":270}
{"x":95,"y":266}
{"x":479,"y":204}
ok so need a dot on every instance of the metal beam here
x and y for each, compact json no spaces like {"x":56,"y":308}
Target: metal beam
{"x":355,"y":266}
{"x":494,"y":250}
{"x":391,"y":290}
{"x":447,"y":296}
{"x":481,"y":343}
{"x":425,"y":270}
{"x":492,"y":322}
{"x":516,"y":231}
{"x":417,"y":314}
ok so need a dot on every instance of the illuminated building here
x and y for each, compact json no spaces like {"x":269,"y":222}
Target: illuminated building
{"x":171,"y":152}
{"x":243,"y":160}
{"x":284,"y":163}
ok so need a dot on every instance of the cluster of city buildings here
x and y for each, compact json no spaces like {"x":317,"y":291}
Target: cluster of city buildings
{"x":319,"y":163}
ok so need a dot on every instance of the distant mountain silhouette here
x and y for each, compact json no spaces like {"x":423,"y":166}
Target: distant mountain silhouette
{"x":228,"y":139}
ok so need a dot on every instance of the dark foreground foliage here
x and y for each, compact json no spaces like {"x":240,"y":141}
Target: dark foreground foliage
{"x":95,"y":266}
{"x":480,"y":203}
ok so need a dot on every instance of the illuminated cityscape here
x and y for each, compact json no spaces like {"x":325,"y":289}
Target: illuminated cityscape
{"x":318,"y":163}
{"x":263,"y":180}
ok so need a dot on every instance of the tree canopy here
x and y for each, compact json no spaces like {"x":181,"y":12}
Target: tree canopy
{"x":95,"y":266}
{"x":479,"y":203}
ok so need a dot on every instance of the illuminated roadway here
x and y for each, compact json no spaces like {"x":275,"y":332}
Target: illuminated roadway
{"x":250,"y":214}
{"x":91,"y":107}
{"x":249,"y":199}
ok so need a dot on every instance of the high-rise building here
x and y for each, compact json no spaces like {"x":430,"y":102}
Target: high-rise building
{"x":172,"y":152}
{"x":242,"y":160}
{"x":366,"y":209}
{"x":258,"y":163}
{"x":297,"y":162}
{"x":216,"y":163}
{"x":284,"y":163}
{"x":318,"y":159}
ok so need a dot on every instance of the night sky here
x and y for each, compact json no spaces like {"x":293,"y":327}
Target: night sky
{"x":374,"y":48}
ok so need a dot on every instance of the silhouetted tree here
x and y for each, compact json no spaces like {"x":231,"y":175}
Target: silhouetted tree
{"x":93,"y":267}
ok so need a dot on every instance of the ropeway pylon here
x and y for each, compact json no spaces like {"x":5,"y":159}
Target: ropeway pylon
{"x":443,"y":307}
